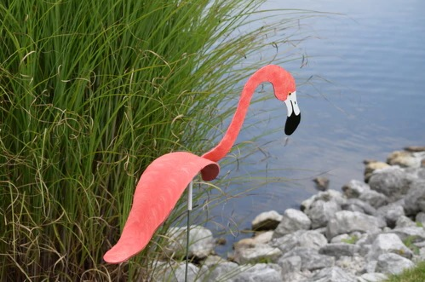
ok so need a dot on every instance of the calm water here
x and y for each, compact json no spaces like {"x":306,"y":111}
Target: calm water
{"x":366,"y":99}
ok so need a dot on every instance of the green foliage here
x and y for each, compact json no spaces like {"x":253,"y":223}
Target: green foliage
{"x":409,"y":242}
{"x":90,"y":93}
{"x":352,"y":240}
{"x":264,"y":260}
{"x":414,"y":274}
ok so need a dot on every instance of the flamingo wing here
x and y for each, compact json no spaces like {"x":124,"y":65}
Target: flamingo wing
{"x":157,"y":192}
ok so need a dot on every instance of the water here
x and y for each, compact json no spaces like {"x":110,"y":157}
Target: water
{"x":366,"y":99}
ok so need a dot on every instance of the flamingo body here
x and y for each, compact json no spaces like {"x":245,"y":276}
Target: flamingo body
{"x":157,"y":192}
{"x":164,"y":180}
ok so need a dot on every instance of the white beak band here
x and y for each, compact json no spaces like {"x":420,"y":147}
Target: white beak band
{"x":291,"y":104}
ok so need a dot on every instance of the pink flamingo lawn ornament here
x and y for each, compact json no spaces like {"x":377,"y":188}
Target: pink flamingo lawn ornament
{"x":165,"y":179}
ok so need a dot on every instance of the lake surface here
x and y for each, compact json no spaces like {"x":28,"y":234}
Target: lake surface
{"x":362,"y":96}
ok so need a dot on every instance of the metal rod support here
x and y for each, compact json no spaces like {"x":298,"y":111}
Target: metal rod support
{"x":189,"y":209}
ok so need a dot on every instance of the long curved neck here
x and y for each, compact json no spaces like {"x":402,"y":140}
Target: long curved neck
{"x":269,"y":73}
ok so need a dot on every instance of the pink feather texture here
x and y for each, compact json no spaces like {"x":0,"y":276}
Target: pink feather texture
{"x":165,"y":179}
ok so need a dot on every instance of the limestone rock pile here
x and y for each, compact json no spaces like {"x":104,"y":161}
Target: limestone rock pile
{"x":369,"y":230}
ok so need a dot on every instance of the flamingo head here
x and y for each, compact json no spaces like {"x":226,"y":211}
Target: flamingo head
{"x":294,"y":113}
{"x":285,"y":90}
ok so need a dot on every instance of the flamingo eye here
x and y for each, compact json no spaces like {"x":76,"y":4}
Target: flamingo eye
{"x":289,"y":93}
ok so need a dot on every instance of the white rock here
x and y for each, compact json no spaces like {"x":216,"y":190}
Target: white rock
{"x":372,"y":167}
{"x":302,"y":238}
{"x":372,"y":277}
{"x":201,"y":242}
{"x":375,"y":199}
{"x":393,"y":182}
{"x":266,"y":221}
{"x":225,"y":271}
{"x":310,"y":259}
{"x":261,"y":272}
{"x":414,"y":201}
{"x":256,"y":254}
{"x":320,"y":212}
{"x":292,"y":221}
{"x":343,"y":238}
{"x":261,"y":238}
{"x":353,"y":264}
{"x":338,"y":250}
{"x":291,"y":269}
{"x":422,"y":254}
{"x":404,"y":221}
{"x":371,"y":266}
{"x":332,"y":195}
{"x":177,"y":273}
{"x":305,"y":205}
{"x":355,"y":188}
{"x":327,"y":196}
{"x":264,"y":237}
{"x":420,"y":172}
{"x":366,"y":238}
{"x":406,"y":159}
{"x":414,"y":149}
{"x":388,"y":243}
{"x":290,"y":264}
{"x":417,"y":233}
{"x":297,"y":276}
{"x":393,"y":264}
{"x":213,"y":260}
{"x":420,"y":218}
{"x":347,"y":221}
{"x":360,"y":206}
{"x":392,"y":212}
{"x":360,"y":190}
{"x":332,"y":274}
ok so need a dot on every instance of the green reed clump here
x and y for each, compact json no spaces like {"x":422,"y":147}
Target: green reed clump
{"x":413,"y":274}
{"x":90,"y":93}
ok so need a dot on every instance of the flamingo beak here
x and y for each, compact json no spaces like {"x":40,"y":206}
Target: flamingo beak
{"x":294,"y":113}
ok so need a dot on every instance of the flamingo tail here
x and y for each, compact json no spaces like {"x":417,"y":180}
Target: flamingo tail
{"x":156,"y":194}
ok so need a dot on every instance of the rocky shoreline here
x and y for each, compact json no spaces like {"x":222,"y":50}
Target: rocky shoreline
{"x":372,"y":228}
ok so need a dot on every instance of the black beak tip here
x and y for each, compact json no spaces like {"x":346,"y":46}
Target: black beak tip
{"x":292,"y":123}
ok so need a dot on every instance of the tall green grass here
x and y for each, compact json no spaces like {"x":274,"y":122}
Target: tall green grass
{"x":414,"y":274}
{"x":90,"y":93}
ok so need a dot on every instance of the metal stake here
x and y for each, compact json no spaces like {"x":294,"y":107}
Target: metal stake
{"x":189,"y":209}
